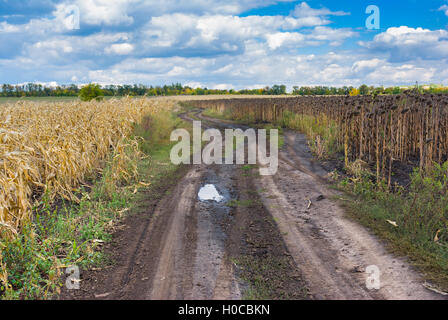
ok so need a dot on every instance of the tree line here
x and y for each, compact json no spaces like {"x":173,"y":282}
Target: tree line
{"x":72,"y":90}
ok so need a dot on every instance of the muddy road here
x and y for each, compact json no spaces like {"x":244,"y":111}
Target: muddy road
{"x":256,"y":237}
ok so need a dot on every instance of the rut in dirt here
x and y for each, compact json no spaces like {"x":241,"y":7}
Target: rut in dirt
{"x":182,"y":247}
{"x":262,"y":237}
{"x":332,"y":252}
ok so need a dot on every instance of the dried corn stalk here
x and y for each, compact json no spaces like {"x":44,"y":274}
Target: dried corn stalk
{"x":51,"y":147}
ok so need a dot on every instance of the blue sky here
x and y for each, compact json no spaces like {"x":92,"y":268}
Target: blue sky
{"x":223,"y":44}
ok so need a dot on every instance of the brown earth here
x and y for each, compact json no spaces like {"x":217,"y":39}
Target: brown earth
{"x":272,"y":237}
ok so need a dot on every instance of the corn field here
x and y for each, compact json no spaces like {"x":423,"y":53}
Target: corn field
{"x":378,"y":130}
{"x":50,"y":148}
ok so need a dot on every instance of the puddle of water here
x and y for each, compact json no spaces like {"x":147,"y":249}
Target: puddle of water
{"x":209,"y":192}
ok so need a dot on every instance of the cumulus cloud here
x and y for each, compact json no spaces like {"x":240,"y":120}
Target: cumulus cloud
{"x":404,"y":44}
{"x":184,"y":34}
{"x":444,"y":8}
{"x":119,"y":48}
{"x":304,"y":10}
{"x":276,"y":40}
{"x":336,"y":36}
{"x":207,"y":43}
{"x":8,"y":28}
{"x":187,"y":35}
{"x":63,"y":50}
{"x":364,"y":65}
{"x":407,"y":73}
{"x":119,"y":12}
{"x":107,"y":12}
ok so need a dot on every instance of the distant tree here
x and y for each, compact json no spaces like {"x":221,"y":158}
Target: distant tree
{"x":277,"y":89}
{"x":90,"y":92}
{"x":378,"y":90}
{"x":295,"y":90}
{"x":363,"y":90}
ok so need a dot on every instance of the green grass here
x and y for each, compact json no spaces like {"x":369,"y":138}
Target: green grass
{"x":321,"y":132}
{"x":250,"y":170}
{"x":421,"y":213}
{"x":243,"y":203}
{"x":252,"y":273}
{"x":70,"y":234}
{"x":218,"y":115}
{"x":156,"y":130}
{"x":264,"y":276}
{"x":268,"y":128}
{"x":227,"y":115}
{"x":58,"y":237}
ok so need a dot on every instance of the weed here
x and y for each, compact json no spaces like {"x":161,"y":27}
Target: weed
{"x":242,"y":203}
{"x":421,"y":215}
{"x":72,"y":233}
{"x":321,"y":131}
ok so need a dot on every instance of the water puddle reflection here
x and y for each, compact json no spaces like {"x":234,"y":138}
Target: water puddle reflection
{"x":209,"y":192}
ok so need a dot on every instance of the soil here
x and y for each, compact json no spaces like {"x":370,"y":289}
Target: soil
{"x":271,"y":237}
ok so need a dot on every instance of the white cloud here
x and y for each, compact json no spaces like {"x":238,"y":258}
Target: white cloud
{"x":222,"y":86}
{"x":119,"y":49}
{"x":444,"y":8}
{"x":400,"y":74}
{"x":363,"y":65}
{"x":66,"y":49}
{"x":122,"y":12}
{"x":243,"y":71}
{"x":276,"y":40}
{"x":203,"y":43}
{"x":57,"y":45}
{"x":336,"y":36}
{"x":97,"y":12}
{"x":404,"y":43}
{"x":187,"y":34}
{"x":194,"y":84}
{"x":304,"y":10}
{"x":8,"y":28}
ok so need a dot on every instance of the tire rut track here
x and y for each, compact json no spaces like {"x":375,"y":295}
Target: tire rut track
{"x":186,"y":249}
{"x":331,"y":251}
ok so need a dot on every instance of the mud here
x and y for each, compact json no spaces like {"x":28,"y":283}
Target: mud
{"x":269,"y":237}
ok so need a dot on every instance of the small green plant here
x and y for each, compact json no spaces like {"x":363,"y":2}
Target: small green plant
{"x":420,"y":214}
{"x":155,"y":129}
{"x":243,"y":203}
{"x":32,"y":264}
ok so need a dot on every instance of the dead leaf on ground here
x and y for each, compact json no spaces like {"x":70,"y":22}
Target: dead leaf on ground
{"x":392,"y":223}
{"x":102,"y":295}
{"x":436,"y":238}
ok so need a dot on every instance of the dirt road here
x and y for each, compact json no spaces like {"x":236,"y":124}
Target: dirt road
{"x":271,"y":237}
